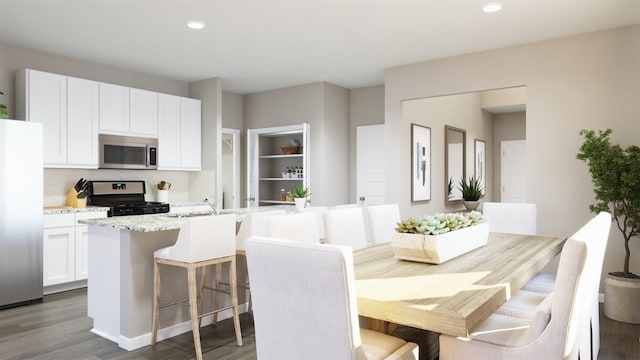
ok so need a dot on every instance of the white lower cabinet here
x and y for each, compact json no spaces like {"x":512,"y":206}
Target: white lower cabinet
{"x":65,"y":245}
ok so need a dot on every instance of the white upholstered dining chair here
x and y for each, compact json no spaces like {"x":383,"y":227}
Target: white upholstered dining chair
{"x":525,"y":303}
{"x":301,"y":227}
{"x":559,"y":323}
{"x":383,"y":219}
{"x":515,"y":218}
{"x":319,"y":211}
{"x":294,"y":318}
{"x":345,"y":226}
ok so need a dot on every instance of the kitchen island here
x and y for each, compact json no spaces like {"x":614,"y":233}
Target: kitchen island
{"x":120,"y":284}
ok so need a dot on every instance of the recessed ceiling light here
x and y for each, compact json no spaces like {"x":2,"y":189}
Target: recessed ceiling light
{"x":492,"y":7}
{"x":196,"y":25}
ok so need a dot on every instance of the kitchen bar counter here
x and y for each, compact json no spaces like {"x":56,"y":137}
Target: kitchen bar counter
{"x":68,"y":209}
{"x":120,"y":284}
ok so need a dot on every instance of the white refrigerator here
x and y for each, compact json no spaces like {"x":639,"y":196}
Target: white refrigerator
{"x":21,"y":212}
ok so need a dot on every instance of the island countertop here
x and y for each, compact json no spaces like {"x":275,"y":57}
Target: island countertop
{"x":171,"y":221}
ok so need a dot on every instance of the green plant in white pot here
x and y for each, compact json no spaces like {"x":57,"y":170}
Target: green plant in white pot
{"x":471,"y":192}
{"x":615,"y":173}
{"x":300,"y":194}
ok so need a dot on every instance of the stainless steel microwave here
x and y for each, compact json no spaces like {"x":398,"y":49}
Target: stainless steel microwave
{"x":128,"y":152}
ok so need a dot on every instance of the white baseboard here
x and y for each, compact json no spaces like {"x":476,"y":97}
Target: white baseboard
{"x":143,"y":340}
{"x":52,"y":289}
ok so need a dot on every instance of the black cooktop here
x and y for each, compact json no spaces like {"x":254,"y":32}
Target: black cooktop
{"x":123,"y":198}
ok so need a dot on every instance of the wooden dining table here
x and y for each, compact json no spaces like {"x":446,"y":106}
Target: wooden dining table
{"x":453,"y":297}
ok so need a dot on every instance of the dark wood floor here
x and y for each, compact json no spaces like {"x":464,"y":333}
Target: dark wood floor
{"x":58,"y":328}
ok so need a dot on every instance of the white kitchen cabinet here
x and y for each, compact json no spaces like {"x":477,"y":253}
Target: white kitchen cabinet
{"x":58,"y":249}
{"x":42,"y":97}
{"x":82,"y":123}
{"x":190,"y":122}
{"x":114,"y":109}
{"x":266,"y":163}
{"x":68,"y":109}
{"x":179,"y":133}
{"x":65,"y":250}
{"x":143,"y":113}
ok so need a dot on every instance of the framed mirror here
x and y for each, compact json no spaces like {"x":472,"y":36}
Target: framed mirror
{"x":455,"y":168}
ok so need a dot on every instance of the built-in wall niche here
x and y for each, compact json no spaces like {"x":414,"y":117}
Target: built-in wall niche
{"x":491,"y":116}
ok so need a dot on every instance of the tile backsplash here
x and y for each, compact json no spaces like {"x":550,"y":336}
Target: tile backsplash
{"x":58,"y":182}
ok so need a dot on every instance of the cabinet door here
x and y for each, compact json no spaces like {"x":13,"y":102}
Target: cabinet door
{"x":58,"y":255}
{"x":47,"y":104}
{"x":190,"y":157}
{"x":143,"y":113}
{"x":82,"y":122}
{"x":168,"y":131}
{"x":82,"y":252}
{"x":114,"y":109}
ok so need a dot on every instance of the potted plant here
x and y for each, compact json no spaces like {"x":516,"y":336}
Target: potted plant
{"x":4,"y":113}
{"x":471,"y":192}
{"x":300,"y":194}
{"x":437,"y":238}
{"x":615,"y":173}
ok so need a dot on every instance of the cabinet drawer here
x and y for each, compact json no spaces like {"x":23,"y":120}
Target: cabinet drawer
{"x":90,"y":215}
{"x":58,"y":220}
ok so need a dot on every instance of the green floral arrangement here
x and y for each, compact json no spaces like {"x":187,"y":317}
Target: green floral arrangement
{"x":4,"y":113}
{"x":471,"y":190}
{"x":440,"y":223}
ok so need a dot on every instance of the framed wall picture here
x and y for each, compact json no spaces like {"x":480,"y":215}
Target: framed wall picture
{"x":480,"y":163}
{"x":420,"y":163}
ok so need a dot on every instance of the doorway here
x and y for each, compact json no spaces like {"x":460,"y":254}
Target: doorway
{"x":370,"y":188}
{"x":230,"y":168}
{"x":513,"y":178}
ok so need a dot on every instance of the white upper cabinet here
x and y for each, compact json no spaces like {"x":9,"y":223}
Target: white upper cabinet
{"x":179,"y":133}
{"x":114,"y":109}
{"x":82,"y":122}
{"x":143,"y":113}
{"x":42,"y":98}
{"x":169,"y":132}
{"x":190,"y":134}
{"x":68,"y":109}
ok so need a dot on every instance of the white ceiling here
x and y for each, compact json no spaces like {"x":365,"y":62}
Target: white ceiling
{"x":266,"y":44}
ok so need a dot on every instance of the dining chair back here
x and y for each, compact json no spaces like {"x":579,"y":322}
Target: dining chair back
{"x":254,"y":224}
{"x":515,"y":218}
{"x":319,"y":211}
{"x":556,"y":330}
{"x":383,"y":219}
{"x":295,"y":226}
{"x":345,"y":226}
{"x":294,"y":318}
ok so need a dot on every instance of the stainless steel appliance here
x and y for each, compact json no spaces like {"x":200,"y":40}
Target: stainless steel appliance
{"x":21,"y":212}
{"x":128,"y":152}
{"x":123,"y":198}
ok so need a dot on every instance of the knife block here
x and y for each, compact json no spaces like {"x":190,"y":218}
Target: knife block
{"x":73,"y":201}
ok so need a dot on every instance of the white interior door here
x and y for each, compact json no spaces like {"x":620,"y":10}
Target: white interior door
{"x":231,"y":168}
{"x":513,"y":179}
{"x":370,"y":164}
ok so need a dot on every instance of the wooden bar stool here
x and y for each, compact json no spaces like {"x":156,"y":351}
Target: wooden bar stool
{"x":202,"y":241}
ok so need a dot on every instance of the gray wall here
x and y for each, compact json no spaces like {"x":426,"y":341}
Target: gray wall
{"x":590,"y":81}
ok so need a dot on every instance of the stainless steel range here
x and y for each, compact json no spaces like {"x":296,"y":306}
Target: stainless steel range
{"x":123,"y":198}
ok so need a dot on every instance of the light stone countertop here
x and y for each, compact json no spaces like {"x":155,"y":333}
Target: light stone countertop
{"x":48,"y":210}
{"x":163,"y":222}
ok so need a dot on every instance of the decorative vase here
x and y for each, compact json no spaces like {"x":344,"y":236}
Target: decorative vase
{"x":621,"y":299}
{"x":471,"y":205}
{"x":299,"y":203}
{"x":163,"y":196}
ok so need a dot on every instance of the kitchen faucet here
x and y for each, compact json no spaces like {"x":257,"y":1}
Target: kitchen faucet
{"x":213,"y":204}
